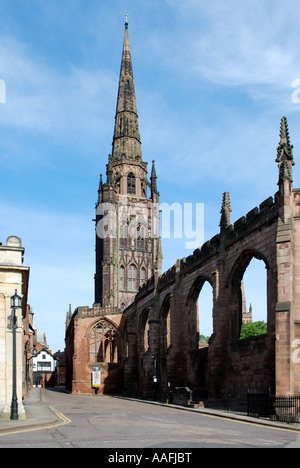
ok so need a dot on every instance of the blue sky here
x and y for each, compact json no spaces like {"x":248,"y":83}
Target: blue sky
{"x":212,"y":80}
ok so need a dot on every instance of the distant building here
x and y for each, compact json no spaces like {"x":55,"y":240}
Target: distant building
{"x":60,"y":374}
{"x":44,"y":365}
{"x":247,"y":316}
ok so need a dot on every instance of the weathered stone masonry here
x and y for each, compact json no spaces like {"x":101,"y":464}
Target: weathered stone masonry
{"x":269,"y":233}
{"x":151,"y":345}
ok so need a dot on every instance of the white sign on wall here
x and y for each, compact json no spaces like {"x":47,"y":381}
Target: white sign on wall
{"x":96,"y":379}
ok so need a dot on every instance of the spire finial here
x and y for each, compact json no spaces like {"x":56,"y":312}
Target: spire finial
{"x":285,"y":158}
{"x":153,"y":179}
{"x":225,"y":212}
{"x":126,"y":20}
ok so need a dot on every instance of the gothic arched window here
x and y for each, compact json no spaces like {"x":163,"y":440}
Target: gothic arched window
{"x":131,"y":184}
{"x":132,"y":278}
{"x":121,"y":277}
{"x":103,"y":343}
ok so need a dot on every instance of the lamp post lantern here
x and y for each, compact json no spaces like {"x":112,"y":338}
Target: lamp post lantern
{"x":15,"y":304}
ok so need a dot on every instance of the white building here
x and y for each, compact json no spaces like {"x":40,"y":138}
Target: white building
{"x":44,"y":364}
{"x":14,"y":276}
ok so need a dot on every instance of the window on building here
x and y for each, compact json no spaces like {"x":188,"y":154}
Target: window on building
{"x":131,"y":184}
{"x":132,"y":278}
{"x":103,"y":343}
{"x":141,"y":236}
{"x":121,"y":278}
{"x":43,"y":366}
{"x":142,"y":276}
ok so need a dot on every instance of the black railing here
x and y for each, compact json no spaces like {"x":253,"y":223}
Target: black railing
{"x":277,"y":408}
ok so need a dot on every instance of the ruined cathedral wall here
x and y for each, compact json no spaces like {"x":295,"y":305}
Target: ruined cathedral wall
{"x":79,"y":345}
{"x":295,"y":319}
{"x":222,"y":262}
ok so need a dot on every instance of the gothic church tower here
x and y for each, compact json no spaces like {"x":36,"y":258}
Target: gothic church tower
{"x":128,"y":249}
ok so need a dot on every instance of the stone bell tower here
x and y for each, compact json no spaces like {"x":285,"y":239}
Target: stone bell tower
{"x":128,"y":248}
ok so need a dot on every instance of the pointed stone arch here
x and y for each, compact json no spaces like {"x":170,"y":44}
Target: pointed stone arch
{"x":196,"y":288}
{"x":234,"y":283}
{"x":242,"y":263}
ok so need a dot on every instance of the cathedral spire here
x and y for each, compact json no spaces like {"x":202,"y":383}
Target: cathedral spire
{"x":126,"y":140}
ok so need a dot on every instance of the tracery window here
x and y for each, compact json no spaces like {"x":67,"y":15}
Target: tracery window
{"x":103,"y":343}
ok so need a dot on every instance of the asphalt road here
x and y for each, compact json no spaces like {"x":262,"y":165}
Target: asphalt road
{"x":114,"y":423}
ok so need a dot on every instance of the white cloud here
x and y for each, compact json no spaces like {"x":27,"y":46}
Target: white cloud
{"x":67,"y":105}
{"x":59,"y":249}
{"x":236,"y":43}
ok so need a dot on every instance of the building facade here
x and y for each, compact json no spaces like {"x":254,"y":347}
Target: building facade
{"x":162,"y":327}
{"x":14,"y":276}
{"x":44,"y":367}
{"x":143,"y":329}
{"x":29,"y":346}
{"x":128,"y":249}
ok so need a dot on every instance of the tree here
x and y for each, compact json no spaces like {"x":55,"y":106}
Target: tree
{"x":253,"y":329}
{"x":203,"y":338}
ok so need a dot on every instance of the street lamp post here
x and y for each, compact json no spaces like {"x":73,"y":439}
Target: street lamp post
{"x":15,"y":304}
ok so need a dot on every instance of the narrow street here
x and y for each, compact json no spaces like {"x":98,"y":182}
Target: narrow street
{"x":87,"y":421}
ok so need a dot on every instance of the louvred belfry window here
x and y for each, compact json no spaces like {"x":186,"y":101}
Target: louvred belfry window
{"x":131,"y":184}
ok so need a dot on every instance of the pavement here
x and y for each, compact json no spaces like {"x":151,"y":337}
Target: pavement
{"x":39,"y":414}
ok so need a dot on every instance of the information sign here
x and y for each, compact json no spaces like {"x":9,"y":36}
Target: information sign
{"x":96,"y":379}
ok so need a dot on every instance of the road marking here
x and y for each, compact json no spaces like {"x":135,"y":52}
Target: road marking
{"x":62,"y":417}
